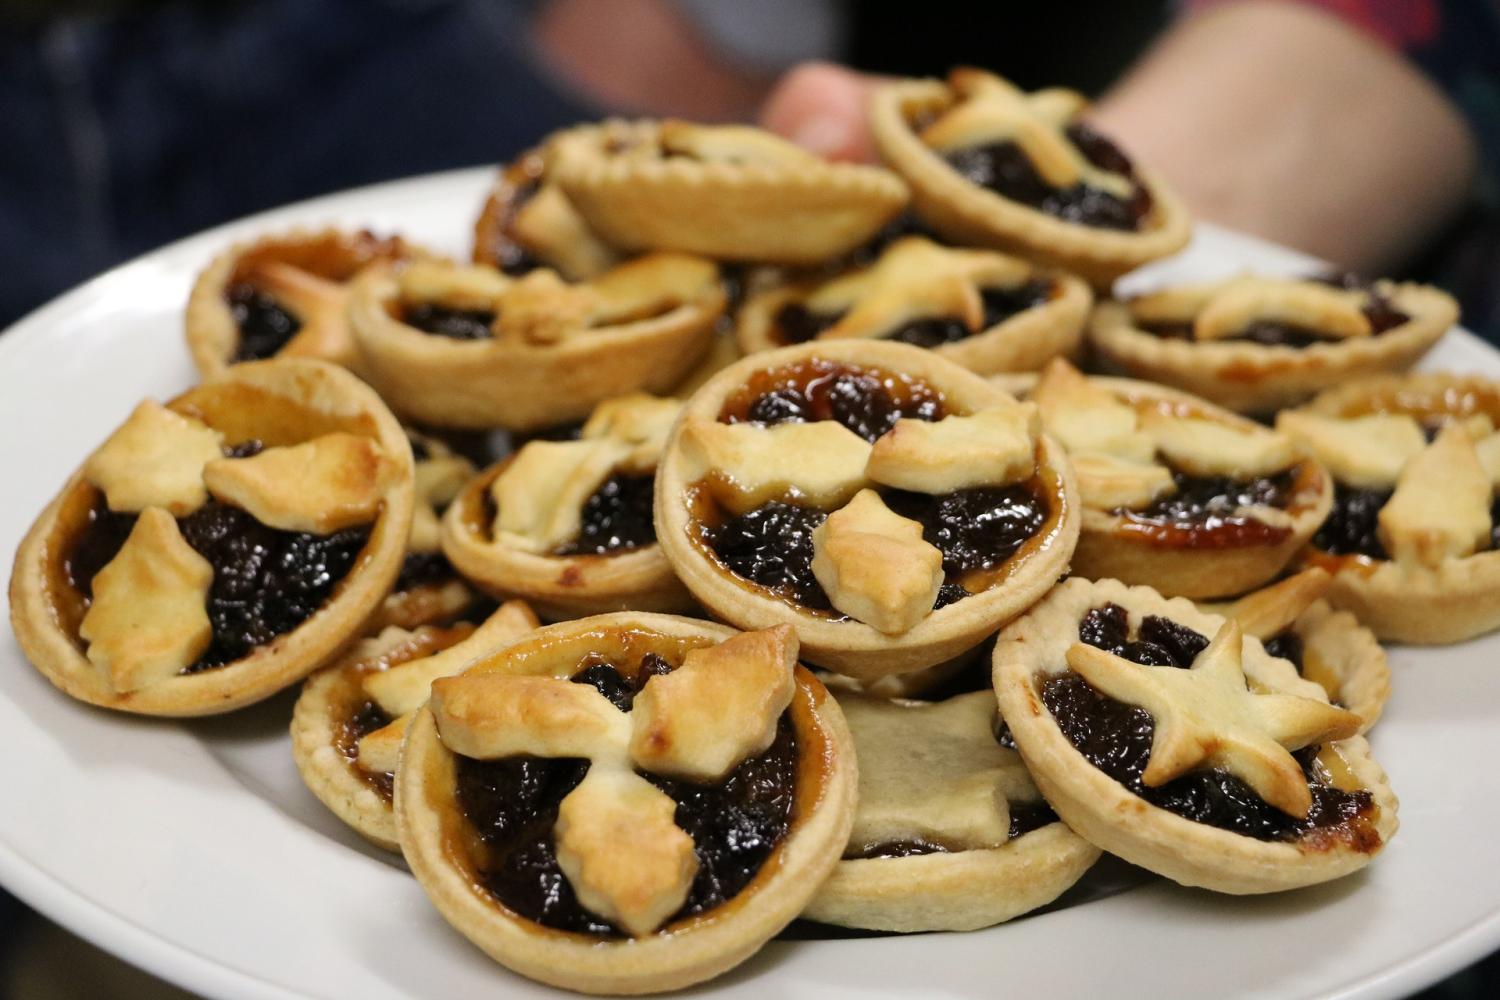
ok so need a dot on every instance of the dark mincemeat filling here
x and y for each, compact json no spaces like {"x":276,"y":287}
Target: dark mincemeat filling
{"x":976,"y":529}
{"x":1378,"y":310}
{"x":362,"y":723}
{"x":513,"y":804}
{"x":421,"y":569}
{"x":1025,"y":817}
{"x":510,"y":256}
{"x":794,"y":323}
{"x":1116,"y":738}
{"x":1288,"y":646}
{"x":1351,"y":525}
{"x":266,"y":582}
{"x":442,"y":321}
{"x":1002,"y":167}
{"x":265,"y":325}
{"x":865,"y":401}
{"x":1201,"y":513}
{"x":616,"y":518}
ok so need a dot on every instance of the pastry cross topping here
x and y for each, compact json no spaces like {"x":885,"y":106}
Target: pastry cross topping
{"x":1206,"y":716}
{"x":320,"y":305}
{"x":617,"y":842}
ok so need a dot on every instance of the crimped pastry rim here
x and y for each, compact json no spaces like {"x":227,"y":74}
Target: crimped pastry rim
{"x":1105,"y":812}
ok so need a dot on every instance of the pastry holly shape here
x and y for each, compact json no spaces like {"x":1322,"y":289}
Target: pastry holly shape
{"x":1207,"y":716}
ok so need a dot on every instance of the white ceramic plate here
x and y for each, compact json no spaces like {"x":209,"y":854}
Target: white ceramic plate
{"x":194,"y":850}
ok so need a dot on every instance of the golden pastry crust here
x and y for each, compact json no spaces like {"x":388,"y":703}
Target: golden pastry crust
{"x":1108,"y":814}
{"x":324,"y":743}
{"x":281,"y":402}
{"x":1255,"y":378}
{"x":1022,"y":342}
{"x":732,"y":193}
{"x":1408,"y":602}
{"x":681,"y":953}
{"x":946,"y":755}
{"x":527,"y":221}
{"x":1114,"y":546}
{"x":971,"y":215}
{"x":524,"y":382}
{"x":310,"y":266}
{"x":851,"y":647}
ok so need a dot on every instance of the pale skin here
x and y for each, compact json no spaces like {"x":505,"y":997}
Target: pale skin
{"x":1268,"y":117}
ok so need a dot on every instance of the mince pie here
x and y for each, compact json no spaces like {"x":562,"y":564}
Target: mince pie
{"x":429,"y":591}
{"x":1178,"y":494}
{"x":628,"y":803}
{"x":726,"y":191}
{"x":891,"y":506}
{"x":1257,"y":344}
{"x":1331,"y":647}
{"x":351,"y":718}
{"x":1167,"y":737}
{"x":283,"y":295}
{"x":567,"y":525}
{"x":1413,"y":539}
{"x":527,"y":222}
{"x":991,"y":165}
{"x":984,"y":310}
{"x":471,"y":347}
{"x":214,"y":550}
{"x":949,"y":833}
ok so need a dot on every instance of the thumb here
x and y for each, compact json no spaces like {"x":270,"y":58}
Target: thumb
{"x":823,"y":108}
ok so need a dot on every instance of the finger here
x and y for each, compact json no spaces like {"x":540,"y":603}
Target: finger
{"x":823,"y":108}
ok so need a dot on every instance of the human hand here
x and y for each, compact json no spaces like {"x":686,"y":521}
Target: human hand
{"x":822,"y":107}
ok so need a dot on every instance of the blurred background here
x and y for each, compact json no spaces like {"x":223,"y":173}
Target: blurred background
{"x":1366,"y":132}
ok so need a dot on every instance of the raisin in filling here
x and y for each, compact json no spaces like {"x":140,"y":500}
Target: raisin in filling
{"x":442,"y":321}
{"x":1288,"y":646}
{"x":265,"y":325}
{"x":365,"y":720}
{"x":616,"y":518}
{"x":1202,"y":513}
{"x":866,"y":401}
{"x":794,"y":323}
{"x":1352,"y":522}
{"x":975,"y":529}
{"x":513,"y":803}
{"x":1002,"y":167}
{"x":420,"y":569}
{"x":1116,"y":738}
{"x":266,"y":582}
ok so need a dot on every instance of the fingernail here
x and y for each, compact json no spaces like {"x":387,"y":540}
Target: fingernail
{"x":822,"y":134}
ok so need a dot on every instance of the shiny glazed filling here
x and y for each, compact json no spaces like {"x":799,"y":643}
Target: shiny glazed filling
{"x":794,"y":323}
{"x":866,"y":400}
{"x":1002,"y":167}
{"x":616,"y":518}
{"x":366,"y":719}
{"x":1116,"y":738}
{"x":442,"y":321}
{"x":513,"y":803}
{"x":266,"y":582}
{"x":265,"y":325}
{"x":1206,"y":512}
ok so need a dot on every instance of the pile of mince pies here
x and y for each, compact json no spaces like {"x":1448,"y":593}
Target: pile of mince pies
{"x":742,"y":537}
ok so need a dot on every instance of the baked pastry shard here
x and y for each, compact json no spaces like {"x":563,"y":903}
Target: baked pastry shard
{"x":887,"y":504}
{"x":1330,"y":647}
{"x":1259,"y":344}
{"x":1178,"y":494}
{"x":990,"y":165}
{"x":228,"y":590}
{"x":285,"y":294}
{"x":567,"y":525}
{"x":729,"y":192}
{"x":1411,"y":537}
{"x":627,"y":803}
{"x":527,"y":222}
{"x":1164,"y":735}
{"x":984,"y":310}
{"x":474,"y":348}
{"x":950,"y":833}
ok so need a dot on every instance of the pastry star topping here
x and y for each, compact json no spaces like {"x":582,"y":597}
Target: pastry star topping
{"x":1441,"y":507}
{"x":1334,"y":312}
{"x":478,"y":288}
{"x":932,"y":771}
{"x":1109,"y":483}
{"x":1209,"y":448}
{"x":148,"y":619}
{"x":875,"y":566}
{"x":637,"y":419}
{"x":541,"y":308}
{"x":738,"y":144}
{"x":155,"y":459}
{"x":1205,"y":716}
{"x":539,"y":497}
{"x":439,"y":478}
{"x":699,"y":721}
{"x":402,"y":689}
{"x":550,"y":227}
{"x":320,"y":305}
{"x":822,"y":462}
{"x":321,"y":486}
{"x":1368,"y":452}
{"x":1271,"y":610}
{"x":1086,"y":418}
{"x":617,"y":842}
{"x":995,"y":446}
